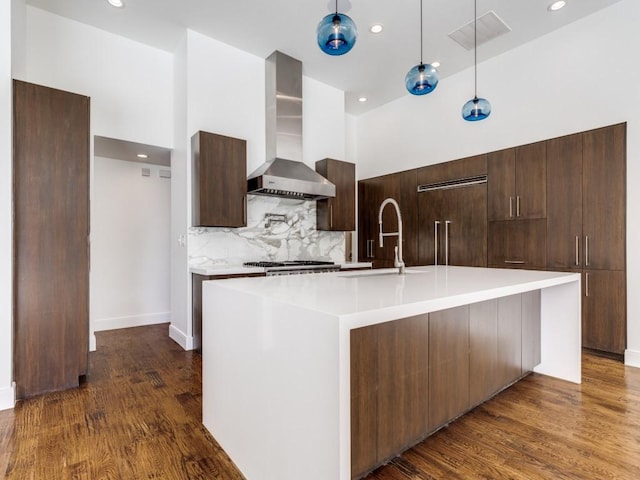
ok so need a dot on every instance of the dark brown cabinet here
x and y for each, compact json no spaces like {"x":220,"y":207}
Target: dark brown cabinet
{"x":338,"y":213}
{"x":586,"y":182}
{"x":51,"y":238}
{"x":219,"y":185}
{"x":371,"y":193}
{"x":517,"y":244}
{"x":452,"y":213}
{"x":389,"y":390}
{"x":411,"y":376}
{"x":517,"y":182}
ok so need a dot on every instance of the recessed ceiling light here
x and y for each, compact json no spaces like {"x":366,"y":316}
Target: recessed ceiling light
{"x":556,"y":5}
{"x":435,"y":64}
{"x":362,"y":99}
{"x":376,"y":28}
{"x":116,"y":3}
{"x":142,"y":155}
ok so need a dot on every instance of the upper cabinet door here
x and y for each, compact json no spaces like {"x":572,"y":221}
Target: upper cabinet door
{"x":564,"y":202}
{"x":604,"y":197}
{"x":531,"y":181}
{"x":501,"y":184}
{"x":219,"y":180}
{"x":338,"y":213}
{"x":517,"y":183}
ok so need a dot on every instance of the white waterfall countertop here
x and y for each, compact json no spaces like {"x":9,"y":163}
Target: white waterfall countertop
{"x":276,"y":353}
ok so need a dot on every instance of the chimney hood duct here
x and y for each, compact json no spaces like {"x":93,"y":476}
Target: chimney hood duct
{"x":284,"y":174}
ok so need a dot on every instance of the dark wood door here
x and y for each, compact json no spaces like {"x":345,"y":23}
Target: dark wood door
{"x":338,"y":213}
{"x":604,"y":325}
{"x":453,"y":223}
{"x":604,"y":197}
{"x":219,"y":180}
{"x":564,"y":202}
{"x":483,"y":351}
{"x":448,"y":364}
{"x":403,"y":384}
{"x":372,"y":192}
{"x":531,"y":181}
{"x":364,"y":400}
{"x":51,"y":232}
{"x":509,"y":366}
{"x":501,"y":183}
{"x":517,"y":244}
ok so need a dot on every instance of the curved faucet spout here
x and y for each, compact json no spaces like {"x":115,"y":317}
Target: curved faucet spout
{"x":398,"y":262}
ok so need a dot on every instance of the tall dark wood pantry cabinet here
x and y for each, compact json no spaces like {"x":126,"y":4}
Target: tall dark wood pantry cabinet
{"x":51,"y":231}
{"x":586,"y":183}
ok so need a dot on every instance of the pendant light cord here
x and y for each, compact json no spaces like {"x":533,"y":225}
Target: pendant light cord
{"x":421,"y":33}
{"x":475,"y":48}
{"x":336,"y":7}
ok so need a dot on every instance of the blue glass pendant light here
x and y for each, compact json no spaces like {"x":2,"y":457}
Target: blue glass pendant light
{"x":336,"y":33}
{"x":477,"y":108}
{"x":423,"y":78}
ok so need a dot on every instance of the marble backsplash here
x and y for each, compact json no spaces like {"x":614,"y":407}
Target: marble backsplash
{"x":295,"y":238}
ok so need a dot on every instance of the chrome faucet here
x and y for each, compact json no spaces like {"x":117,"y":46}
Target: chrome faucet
{"x":397,"y":261}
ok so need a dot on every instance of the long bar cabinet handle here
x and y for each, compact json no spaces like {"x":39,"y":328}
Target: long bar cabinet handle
{"x":510,"y":207}
{"x":577,"y":250}
{"x":244,"y":209}
{"x":586,"y":284}
{"x":435,"y":242}
{"x":586,"y":250}
{"x":518,"y":206}
{"x":515,"y":262}
{"x":446,"y":241}
{"x":331,"y":216}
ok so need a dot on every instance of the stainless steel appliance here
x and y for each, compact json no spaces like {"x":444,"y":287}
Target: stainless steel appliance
{"x":295,"y":267}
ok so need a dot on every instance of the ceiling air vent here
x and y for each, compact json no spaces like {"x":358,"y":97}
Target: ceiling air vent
{"x":490,"y":26}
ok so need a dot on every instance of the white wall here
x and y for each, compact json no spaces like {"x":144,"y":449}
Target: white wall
{"x":180,"y":329}
{"x":6,"y":266}
{"x":130,"y":247}
{"x":130,"y":84}
{"x":580,"y":77}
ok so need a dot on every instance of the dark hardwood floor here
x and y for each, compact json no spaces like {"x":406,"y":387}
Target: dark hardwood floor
{"x":138,"y":417}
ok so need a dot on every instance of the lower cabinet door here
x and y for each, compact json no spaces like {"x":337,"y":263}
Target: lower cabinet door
{"x":604,"y":324}
{"x":448,"y":364}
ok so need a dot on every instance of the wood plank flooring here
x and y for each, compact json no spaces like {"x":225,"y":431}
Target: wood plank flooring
{"x":138,"y":416}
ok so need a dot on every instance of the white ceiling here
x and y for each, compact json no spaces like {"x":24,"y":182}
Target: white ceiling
{"x":376,"y":66}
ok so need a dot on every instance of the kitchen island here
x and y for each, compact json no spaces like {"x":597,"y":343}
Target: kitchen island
{"x":277,"y":361}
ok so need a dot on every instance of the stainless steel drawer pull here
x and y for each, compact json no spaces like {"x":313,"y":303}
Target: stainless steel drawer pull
{"x":586,"y":284}
{"x":577,"y":249}
{"x":515,"y":262}
{"x":446,"y":241}
{"x":518,"y":206}
{"x":510,"y":207}
{"x":435,"y":242}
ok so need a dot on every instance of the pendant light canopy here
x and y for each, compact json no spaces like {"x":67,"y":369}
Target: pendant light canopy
{"x":423,"y":78}
{"x":336,"y":33}
{"x":476,"y":108}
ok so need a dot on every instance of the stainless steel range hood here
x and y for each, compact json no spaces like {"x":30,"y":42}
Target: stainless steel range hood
{"x":284,"y":174}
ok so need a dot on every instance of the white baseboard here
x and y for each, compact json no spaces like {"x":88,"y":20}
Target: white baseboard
{"x":632,"y":358}
{"x":8,"y":397}
{"x":115,"y":323}
{"x":180,"y":338}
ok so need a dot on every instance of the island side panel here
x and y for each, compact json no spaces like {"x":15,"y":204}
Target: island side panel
{"x":270,"y":385}
{"x":561,"y":331}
